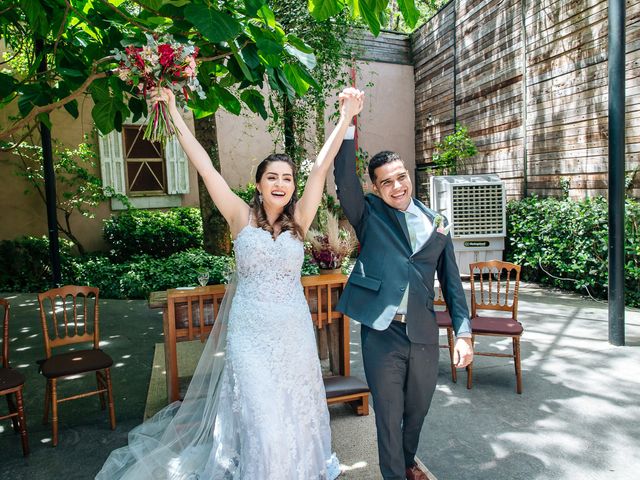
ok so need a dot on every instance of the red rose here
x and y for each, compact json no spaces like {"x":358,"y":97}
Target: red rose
{"x":131,"y":50}
{"x":166,"y":54}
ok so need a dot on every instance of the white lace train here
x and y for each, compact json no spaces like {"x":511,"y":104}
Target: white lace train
{"x":255,"y":408}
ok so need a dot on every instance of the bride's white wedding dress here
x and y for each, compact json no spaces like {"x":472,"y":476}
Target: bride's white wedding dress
{"x":262,"y":413}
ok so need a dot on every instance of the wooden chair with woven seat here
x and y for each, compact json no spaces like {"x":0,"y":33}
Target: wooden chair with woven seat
{"x":498,"y":292}
{"x":12,"y":383}
{"x":444,"y":321}
{"x":69,"y":316}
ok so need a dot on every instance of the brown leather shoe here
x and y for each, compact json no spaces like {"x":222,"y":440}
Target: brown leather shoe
{"x":414,"y":473}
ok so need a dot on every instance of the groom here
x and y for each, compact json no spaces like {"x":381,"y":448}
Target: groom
{"x":390,"y":292}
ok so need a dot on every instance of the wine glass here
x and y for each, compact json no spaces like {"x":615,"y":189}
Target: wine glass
{"x":203,"y":277}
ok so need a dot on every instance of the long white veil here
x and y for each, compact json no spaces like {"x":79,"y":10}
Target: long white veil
{"x":182,"y":440}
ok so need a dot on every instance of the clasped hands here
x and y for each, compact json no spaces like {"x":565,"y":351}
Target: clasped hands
{"x":351,"y":101}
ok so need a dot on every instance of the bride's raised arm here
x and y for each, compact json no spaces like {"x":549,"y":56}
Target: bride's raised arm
{"x":351,"y":101}
{"x":233,"y":208}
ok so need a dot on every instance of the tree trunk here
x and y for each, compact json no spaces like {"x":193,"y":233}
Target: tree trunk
{"x":217,"y":238}
{"x":67,"y":231}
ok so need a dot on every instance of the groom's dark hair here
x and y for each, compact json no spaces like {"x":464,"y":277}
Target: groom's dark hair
{"x":379,"y":159}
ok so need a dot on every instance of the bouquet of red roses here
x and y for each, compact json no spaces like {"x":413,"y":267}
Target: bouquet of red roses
{"x":162,"y":62}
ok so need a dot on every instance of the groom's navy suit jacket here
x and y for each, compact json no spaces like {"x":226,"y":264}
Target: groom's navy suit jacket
{"x":386,"y":263}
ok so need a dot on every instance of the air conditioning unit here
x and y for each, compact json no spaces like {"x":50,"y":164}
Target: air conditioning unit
{"x":476,"y":206}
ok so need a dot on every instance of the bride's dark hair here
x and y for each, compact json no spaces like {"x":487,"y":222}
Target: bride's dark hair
{"x":286,"y":218}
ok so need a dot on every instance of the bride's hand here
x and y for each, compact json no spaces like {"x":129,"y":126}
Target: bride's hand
{"x":163,"y":94}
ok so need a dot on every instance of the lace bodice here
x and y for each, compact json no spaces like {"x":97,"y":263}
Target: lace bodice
{"x":268,"y":268}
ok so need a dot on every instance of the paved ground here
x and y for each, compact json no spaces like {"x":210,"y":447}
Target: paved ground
{"x":578,"y":417}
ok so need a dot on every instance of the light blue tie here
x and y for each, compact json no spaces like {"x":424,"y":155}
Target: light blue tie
{"x":412,"y":231}
{"x":402,"y":308}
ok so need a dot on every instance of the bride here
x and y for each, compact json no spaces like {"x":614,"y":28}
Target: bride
{"x":255,"y":407}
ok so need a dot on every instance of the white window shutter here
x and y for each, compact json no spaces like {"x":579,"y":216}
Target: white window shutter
{"x":112,"y":161}
{"x":177,"y":167}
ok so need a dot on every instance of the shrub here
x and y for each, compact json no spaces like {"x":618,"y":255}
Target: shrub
{"x":155,"y":233}
{"x":569,"y":240}
{"x":25,"y":265}
{"x":143,"y":274}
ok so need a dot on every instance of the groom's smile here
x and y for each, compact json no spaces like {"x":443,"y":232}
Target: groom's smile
{"x":393,"y":184}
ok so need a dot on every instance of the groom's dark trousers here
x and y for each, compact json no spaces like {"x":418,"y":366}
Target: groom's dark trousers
{"x":402,"y":377}
{"x":400,"y":359}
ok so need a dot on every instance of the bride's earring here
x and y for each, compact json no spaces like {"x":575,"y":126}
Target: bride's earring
{"x":260,"y":198}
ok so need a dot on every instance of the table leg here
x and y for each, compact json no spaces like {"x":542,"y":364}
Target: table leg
{"x":170,"y":357}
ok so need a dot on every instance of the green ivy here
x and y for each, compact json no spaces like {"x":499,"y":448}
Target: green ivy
{"x":564,"y":243}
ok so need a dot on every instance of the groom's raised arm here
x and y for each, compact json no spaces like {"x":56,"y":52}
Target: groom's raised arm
{"x":348,"y":184}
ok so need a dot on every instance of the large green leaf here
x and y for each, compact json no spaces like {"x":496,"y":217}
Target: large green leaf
{"x":298,"y":78}
{"x":7,"y":84}
{"x":324,"y":9}
{"x":108,"y":114}
{"x":203,"y":107}
{"x":253,"y":6}
{"x":255,"y":101}
{"x":237,"y":63}
{"x":36,"y":16}
{"x":307,"y":59}
{"x":354,"y":8}
{"x":298,"y":43}
{"x":267,"y":16}
{"x":270,"y":47}
{"x":279,"y":81}
{"x":213,"y":24}
{"x":138,"y":108}
{"x":99,"y":90}
{"x":250,"y":56}
{"x":409,"y":12}
{"x":370,"y":11}
{"x":72,"y":108}
{"x":33,"y":95}
{"x":228,"y":100}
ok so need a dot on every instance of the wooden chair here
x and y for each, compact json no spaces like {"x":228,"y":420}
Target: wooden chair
{"x":333,"y":341}
{"x":12,"y":383}
{"x":444,"y":321}
{"x":69,"y":316}
{"x":498,"y":292}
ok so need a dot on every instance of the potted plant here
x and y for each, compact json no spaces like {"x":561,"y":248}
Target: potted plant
{"x":452,"y":150}
{"x":330,"y":244}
